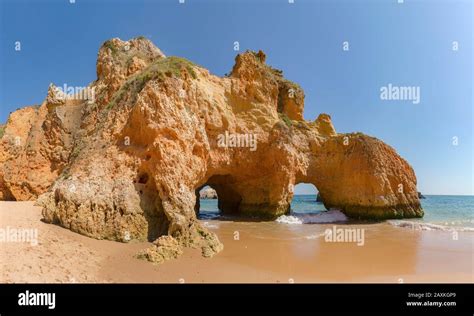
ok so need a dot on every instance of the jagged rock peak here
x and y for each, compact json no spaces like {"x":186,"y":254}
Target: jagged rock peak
{"x":124,"y":53}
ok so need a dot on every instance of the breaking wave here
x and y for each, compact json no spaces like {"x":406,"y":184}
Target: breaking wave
{"x":331,"y":216}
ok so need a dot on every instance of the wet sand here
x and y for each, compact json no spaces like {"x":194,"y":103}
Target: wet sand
{"x":267,"y":252}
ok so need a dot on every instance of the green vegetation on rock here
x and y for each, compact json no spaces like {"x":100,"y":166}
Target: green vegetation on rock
{"x":286,"y":119}
{"x":111,"y":46}
{"x":164,"y":67}
{"x":277,"y":74}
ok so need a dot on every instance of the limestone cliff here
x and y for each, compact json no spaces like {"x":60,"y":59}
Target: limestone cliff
{"x":129,"y":163}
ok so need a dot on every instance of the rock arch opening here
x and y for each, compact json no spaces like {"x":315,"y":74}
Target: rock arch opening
{"x":206,"y":202}
{"x":218,"y":195}
{"x":306,"y":199}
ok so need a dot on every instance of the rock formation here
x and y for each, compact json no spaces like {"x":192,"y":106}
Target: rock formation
{"x":208,"y":193}
{"x":128,"y":164}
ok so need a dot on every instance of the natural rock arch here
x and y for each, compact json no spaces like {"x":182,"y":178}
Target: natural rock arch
{"x":308,"y":188}
{"x":228,"y":197}
{"x":129,"y":167}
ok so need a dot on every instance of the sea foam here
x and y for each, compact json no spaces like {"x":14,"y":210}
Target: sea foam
{"x":289,"y":219}
{"x":209,"y":225}
{"x":322,"y":217}
{"x":428,"y":226}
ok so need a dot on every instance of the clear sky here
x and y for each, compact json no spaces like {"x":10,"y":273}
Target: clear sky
{"x":409,"y":44}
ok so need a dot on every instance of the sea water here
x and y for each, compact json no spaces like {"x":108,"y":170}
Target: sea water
{"x":442,"y":212}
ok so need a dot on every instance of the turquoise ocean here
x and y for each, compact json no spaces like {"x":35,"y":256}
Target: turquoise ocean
{"x":442,"y":212}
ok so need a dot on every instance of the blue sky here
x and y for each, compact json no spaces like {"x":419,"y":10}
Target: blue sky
{"x":407,"y":44}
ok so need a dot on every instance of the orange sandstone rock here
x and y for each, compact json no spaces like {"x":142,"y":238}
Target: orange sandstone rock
{"x":129,"y":164}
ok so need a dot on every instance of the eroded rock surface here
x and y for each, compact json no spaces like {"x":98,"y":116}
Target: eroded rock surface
{"x":208,"y":193}
{"x":127,"y":165}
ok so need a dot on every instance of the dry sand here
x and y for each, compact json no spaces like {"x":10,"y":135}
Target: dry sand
{"x":263,"y":252}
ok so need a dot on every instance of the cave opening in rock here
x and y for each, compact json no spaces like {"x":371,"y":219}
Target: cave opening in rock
{"x":207,"y":203}
{"x":306,"y":199}
{"x":218,"y":195}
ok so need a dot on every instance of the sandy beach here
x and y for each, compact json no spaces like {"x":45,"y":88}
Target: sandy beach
{"x":268,"y":252}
